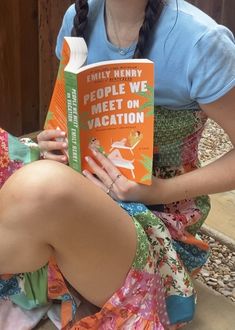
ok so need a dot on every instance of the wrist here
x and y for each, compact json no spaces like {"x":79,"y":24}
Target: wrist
{"x":161,"y":191}
{"x":168,"y":190}
{"x":157,"y":193}
{"x":164,"y":191}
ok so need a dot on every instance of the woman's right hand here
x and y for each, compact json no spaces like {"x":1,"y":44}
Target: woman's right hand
{"x":53,"y":145}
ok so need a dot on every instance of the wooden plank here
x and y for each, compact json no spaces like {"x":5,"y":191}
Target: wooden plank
{"x":50,"y":18}
{"x":222,"y":11}
{"x":29,"y":58}
{"x":18,"y":62}
{"x":228,"y":17}
{"x":211,"y":7}
{"x":10,"y":105}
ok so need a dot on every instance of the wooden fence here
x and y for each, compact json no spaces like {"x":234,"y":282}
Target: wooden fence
{"x":28,"y":30}
{"x":223,"y":11}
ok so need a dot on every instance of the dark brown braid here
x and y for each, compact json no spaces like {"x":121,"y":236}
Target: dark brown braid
{"x":80,"y":19}
{"x":153,"y":11}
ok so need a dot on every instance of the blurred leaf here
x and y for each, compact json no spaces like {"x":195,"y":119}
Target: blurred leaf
{"x":147,"y":177}
{"x":146,"y":105}
{"x":49,"y":116}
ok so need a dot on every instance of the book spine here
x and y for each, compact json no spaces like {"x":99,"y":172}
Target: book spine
{"x":71,"y":89}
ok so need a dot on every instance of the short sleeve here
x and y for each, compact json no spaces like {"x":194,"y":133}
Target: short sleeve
{"x":65,"y":30}
{"x":211,"y":69}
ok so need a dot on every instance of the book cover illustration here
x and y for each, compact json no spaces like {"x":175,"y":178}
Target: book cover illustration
{"x":110,"y":106}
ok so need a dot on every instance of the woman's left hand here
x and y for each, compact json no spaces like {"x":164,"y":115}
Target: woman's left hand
{"x":110,"y":180}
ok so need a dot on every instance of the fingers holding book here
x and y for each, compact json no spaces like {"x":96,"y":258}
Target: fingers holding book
{"x":109,"y":189}
{"x":107,"y":176}
{"x":53,"y":145}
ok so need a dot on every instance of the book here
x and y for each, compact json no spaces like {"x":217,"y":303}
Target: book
{"x":107,"y":105}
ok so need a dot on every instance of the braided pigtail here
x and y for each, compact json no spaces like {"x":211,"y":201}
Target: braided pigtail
{"x":153,"y":11}
{"x":80,"y":19}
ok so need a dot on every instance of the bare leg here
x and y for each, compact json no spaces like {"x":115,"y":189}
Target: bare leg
{"x":46,"y":208}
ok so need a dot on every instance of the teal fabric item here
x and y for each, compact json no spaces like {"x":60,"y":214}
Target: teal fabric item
{"x":185,"y":308}
{"x":34,"y":292}
{"x":22,"y":152}
{"x":194,"y":56}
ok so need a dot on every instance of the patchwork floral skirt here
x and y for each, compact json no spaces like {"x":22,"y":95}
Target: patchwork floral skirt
{"x":158,"y":291}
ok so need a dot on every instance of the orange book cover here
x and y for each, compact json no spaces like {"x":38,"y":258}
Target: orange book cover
{"x":108,"y":105}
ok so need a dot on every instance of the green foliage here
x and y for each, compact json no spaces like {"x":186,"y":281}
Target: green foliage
{"x":149,"y":95}
{"x":147,"y":177}
{"x":83,"y":120}
{"x":61,"y":71}
{"x":147,"y":163}
{"x":49,"y":116}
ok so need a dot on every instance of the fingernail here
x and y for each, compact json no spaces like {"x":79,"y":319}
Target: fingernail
{"x":62,"y":133}
{"x":64,"y":145}
{"x":87,"y":158}
{"x":94,"y":152}
{"x":84,"y":173}
{"x":64,"y":159}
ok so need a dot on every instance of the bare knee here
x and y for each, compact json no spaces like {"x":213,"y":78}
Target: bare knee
{"x":39,"y":185}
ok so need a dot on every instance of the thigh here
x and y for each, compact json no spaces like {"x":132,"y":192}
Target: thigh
{"x":98,"y":256}
{"x":58,"y":211}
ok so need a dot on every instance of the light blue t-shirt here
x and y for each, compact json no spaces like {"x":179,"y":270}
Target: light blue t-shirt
{"x":194,"y":56}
